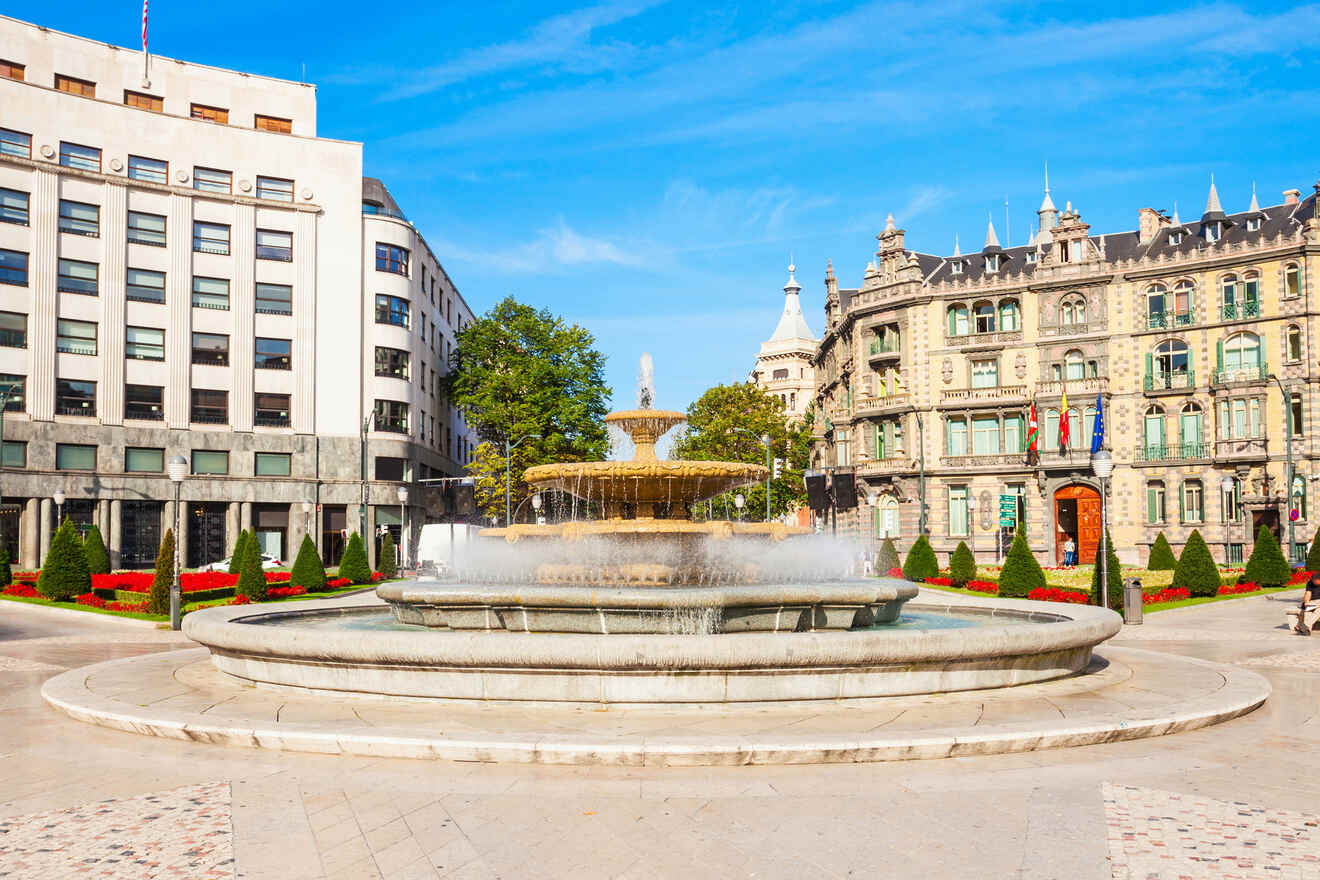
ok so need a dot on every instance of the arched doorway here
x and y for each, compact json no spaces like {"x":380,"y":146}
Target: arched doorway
{"x":1077,"y":515}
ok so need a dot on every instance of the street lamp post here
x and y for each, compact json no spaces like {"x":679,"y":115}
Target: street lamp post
{"x":58,"y":498}
{"x":536,"y":506}
{"x":308,"y":507}
{"x":403,"y":526}
{"x":738,"y":501}
{"x":177,"y":469}
{"x":1103,"y":465}
{"x":508,"y":485}
{"x":1228,"y":485}
{"x":971,"y":522}
{"x":1287,"y":447}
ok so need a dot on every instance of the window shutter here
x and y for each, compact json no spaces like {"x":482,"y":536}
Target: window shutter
{"x":1150,"y":363}
{"x":1182,"y":504}
{"x":1219,"y":356}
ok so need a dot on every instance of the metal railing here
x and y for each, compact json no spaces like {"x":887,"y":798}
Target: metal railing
{"x":886,"y":346}
{"x":1085,"y":385}
{"x":1242,"y":447}
{"x":1168,"y":320}
{"x":1183,"y":380}
{"x":972,"y":395}
{"x":1237,"y":311}
{"x":1240,"y":375}
{"x":1172,"y":452}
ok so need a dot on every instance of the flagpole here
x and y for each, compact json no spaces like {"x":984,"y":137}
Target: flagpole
{"x":146,"y":56}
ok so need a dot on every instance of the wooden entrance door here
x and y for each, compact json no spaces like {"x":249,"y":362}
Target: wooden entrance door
{"x":1087,"y":520}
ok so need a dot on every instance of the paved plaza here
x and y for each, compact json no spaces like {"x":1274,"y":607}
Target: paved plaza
{"x":1231,"y":800}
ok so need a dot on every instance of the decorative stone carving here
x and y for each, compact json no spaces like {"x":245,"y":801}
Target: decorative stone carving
{"x":946,"y":371}
{"x":1020,"y":366}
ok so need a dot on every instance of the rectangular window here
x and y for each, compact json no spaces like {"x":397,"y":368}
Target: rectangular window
{"x":210,"y":114}
{"x":274,"y":299}
{"x":144,"y":402}
{"x":1154,"y":502}
{"x":16,"y":388}
{"x":210,"y":461}
{"x":271,"y":410}
{"x":76,"y":276}
{"x":75,"y":337}
{"x":985,"y":374}
{"x":273,"y":123}
{"x":11,"y":70}
{"x":1193,"y":506}
{"x":211,"y":238}
{"x":392,"y":416}
{"x":273,"y":464}
{"x":276,"y":189}
{"x":148,"y":229}
{"x":143,"y":101}
{"x":985,"y":435}
{"x":391,"y":310}
{"x":213,"y":180}
{"x":15,"y":143}
{"x":958,"y":521}
{"x":274,"y":354}
{"x":13,"y":330}
{"x":210,"y":407}
{"x":1014,"y":436}
{"x":210,"y":293}
{"x":14,"y":454}
{"x":1295,"y":404}
{"x":391,"y":468}
{"x":211,"y":349}
{"x":390,"y":258}
{"x":272,"y":244}
{"x":75,"y":86}
{"x":75,"y":398}
{"x":80,"y":218}
{"x":145,"y":285}
{"x":75,"y":457}
{"x":13,"y":267}
{"x":143,"y":460}
{"x":79,"y":156}
{"x":144,"y":344}
{"x":13,"y":206}
{"x":391,"y":362}
{"x":150,"y":170}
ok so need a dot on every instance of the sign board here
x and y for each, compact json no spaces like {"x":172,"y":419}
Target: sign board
{"x":1294,"y":514}
{"x":1008,"y":510}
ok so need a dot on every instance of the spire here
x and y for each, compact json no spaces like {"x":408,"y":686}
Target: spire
{"x":1254,"y":207}
{"x":829,"y":270}
{"x":957,"y":251}
{"x":889,"y":223}
{"x":991,"y":240}
{"x":1049,"y":215}
{"x":792,"y":282}
{"x":1212,"y":201}
{"x":792,"y":325}
{"x":1176,"y":221}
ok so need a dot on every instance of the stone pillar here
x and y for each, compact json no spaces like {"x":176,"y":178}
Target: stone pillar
{"x":44,"y":526}
{"x":245,"y":514}
{"x":231,"y":525}
{"x":28,"y":530}
{"x":369,"y":536}
{"x":297,"y":530}
{"x":115,"y":534}
{"x":181,"y":536}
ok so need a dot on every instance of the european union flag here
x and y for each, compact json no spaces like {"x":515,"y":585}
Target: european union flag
{"x":1098,"y":433}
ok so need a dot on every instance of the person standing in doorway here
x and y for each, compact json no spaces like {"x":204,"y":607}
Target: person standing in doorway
{"x":1069,"y":552}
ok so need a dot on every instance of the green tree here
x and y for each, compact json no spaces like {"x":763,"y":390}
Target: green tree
{"x":962,"y":565}
{"x":887,"y":559}
{"x":354,"y":565}
{"x":1313,"y":555}
{"x":158,"y":600}
{"x":921,"y":562}
{"x":240,"y":549}
{"x":1196,"y":568}
{"x":64,"y":573}
{"x":518,"y":372}
{"x":1021,"y":572}
{"x":6,"y":574}
{"x":1161,"y":555}
{"x":727,"y":423}
{"x":98,"y":561}
{"x":1115,"y":576}
{"x":308,"y":571}
{"x":251,"y":577}
{"x":388,"y":567}
{"x":1266,"y":565}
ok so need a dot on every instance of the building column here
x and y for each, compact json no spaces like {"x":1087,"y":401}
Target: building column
{"x":231,"y":525}
{"x":28,"y":530}
{"x":115,"y":534}
{"x":297,"y":530}
{"x":369,"y":536}
{"x":181,"y":536}
{"x":44,"y":525}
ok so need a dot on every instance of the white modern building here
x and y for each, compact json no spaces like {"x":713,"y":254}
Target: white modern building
{"x":187,"y":269}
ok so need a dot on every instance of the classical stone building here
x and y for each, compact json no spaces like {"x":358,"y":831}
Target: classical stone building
{"x":784,"y":366}
{"x":1201,"y":340}
{"x":186,"y":268}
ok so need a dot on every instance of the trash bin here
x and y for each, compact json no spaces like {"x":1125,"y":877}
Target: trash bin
{"x":1132,"y":608}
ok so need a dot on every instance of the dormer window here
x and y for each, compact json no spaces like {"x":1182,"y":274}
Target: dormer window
{"x":955,"y":267}
{"x":1175,"y":238}
{"x":1213,"y":231}
{"x":1253,"y":224}
{"x":1031,"y":256}
{"x":1064,"y":252}
{"x":992,"y":263}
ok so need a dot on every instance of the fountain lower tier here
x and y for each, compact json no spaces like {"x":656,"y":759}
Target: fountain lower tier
{"x":536,"y":608}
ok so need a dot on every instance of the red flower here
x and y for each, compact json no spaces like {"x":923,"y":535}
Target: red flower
{"x":240,"y":600}
{"x":339,"y":582}
{"x":91,"y":600}
{"x":895,"y":572}
{"x":1054,"y":594}
{"x":27,"y":591}
{"x":1168,"y":594}
{"x":283,"y":592}
{"x":1235,"y":589}
{"x":983,"y":586}
{"x":943,"y":582}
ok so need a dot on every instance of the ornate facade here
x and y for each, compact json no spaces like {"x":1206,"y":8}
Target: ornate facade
{"x":784,"y":366}
{"x":1200,"y":340}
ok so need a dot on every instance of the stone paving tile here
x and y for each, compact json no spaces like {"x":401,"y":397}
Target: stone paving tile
{"x":22,"y":664}
{"x":1155,"y":835}
{"x":184,"y":833}
{"x":1302,"y":661}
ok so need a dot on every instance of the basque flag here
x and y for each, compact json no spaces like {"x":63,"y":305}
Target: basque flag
{"x":1065,"y":430}
{"x":1033,"y":438}
{"x":1098,"y":435}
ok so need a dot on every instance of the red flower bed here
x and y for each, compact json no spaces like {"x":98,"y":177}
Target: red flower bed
{"x":375,"y":576}
{"x":1235,"y":589}
{"x":240,"y":600}
{"x":983,"y":586}
{"x":1168,"y":594}
{"x":1054,"y":594}
{"x":278,"y":577}
{"x":27,"y":591}
{"x":91,"y":600}
{"x":1299,"y":577}
{"x":284,"y":592}
{"x":895,"y":572}
{"x":339,"y":582}
{"x":942,"y":582}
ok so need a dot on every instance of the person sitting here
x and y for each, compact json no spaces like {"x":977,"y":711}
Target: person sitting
{"x":1310,"y":593}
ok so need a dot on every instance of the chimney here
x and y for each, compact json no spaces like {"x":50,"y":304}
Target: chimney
{"x":1149,"y":223}
{"x":1291,"y":196}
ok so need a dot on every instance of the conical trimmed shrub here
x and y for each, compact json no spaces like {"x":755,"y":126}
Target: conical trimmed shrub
{"x":921,"y":562}
{"x":1021,"y":572}
{"x":98,"y":560}
{"x":887,"y":559}
{"x":308,"y":572}
{"x":64,"y":574}
{"x":962,"y":565}
{"x":1115,"y":576}
{"x":1196,"y":570}
{"x":388,"y":568}
{"x":1313,"y":555}
{"x":1266,"y":566}
{"x":1161,"y":555}
{"x":240,"y":547}
{"x":251,"y":578}
{"x":354,"y":563}
{"x":158,"y":600}
{"x":6,"y":574}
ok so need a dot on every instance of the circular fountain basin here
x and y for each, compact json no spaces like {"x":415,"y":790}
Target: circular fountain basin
{"x":1031,"y":642}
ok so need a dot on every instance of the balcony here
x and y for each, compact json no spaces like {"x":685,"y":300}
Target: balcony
{"x":1168,"y":321}
{"x":1073,"y":329}
{"x":1181,"y":381}
{"x":1171,"y":453}
{"x":882,"y":350}
{"x":992,"y":460}
{"x":895,"y":464}
{"x":1242,"y":449}
{"x":978,"y":396}
{"x":1240,"y":376}
{"x":876,"y":405}
{"x":1088,"y":385}
{"x":1239,"y":311}
{"x":997,"y":338}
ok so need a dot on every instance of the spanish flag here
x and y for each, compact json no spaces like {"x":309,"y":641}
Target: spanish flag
{"x":1064,"y":433}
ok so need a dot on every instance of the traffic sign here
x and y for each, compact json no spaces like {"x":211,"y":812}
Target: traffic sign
{"x":1294,"y":514}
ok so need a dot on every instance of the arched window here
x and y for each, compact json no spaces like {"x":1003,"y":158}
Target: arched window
{"x":1293,"y":351}
{"x":1009,"y":316}
{"x":1228,"y":297}
{"x":1156,"y":306}
{"x":1077,"y":438}
{"x":1072,"y":310}
{"x":1182,"y":303}
{"x":1239,"y":357}
{"x":888,"y":522}
{"x":1251,"y":295}
{"x":1298,"y":495}
{"x":1088,"y":420}
{"x":958,"y":320}
{"x":1049,"y":441}
{"x":1292,"y":280}
{"x":1154,"y":434}
{"x":1189,"y":429}
{"x":1073,"y":365}
{"x":985,"y":317}
{"x":1168,"y":364}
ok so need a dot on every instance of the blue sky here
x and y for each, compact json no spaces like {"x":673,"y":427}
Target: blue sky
{"x":646,"y":168}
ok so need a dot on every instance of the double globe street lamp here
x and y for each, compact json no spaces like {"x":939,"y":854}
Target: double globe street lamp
{"x":177,"y":468}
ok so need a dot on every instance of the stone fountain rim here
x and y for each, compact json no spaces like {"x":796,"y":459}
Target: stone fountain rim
{"x":658,"y":415}
{"x":663,"y":469}
{"x":867,"y":591}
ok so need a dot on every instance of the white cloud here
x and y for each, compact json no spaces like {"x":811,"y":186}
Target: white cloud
{"x":553,"y":248}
